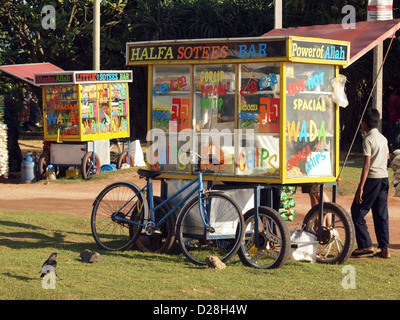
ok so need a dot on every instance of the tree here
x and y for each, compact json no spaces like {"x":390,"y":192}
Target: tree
{"x":69,"y":46}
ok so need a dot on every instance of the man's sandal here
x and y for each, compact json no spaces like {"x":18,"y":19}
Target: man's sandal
{"x":360,"y":252}
{"x":380,"y":254}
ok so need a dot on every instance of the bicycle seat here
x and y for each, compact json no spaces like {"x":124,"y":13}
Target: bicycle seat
{"x":148,"y":173}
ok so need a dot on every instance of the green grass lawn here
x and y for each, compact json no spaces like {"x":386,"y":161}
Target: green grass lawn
{"x":28,"y":238}
{"x":351,"y":176}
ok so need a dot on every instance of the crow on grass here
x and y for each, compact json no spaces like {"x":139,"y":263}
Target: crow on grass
{"x":50,"y":266}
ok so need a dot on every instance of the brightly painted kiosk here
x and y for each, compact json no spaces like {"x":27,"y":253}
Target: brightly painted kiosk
{"x":82,"y":111}
{"x":265,"y":107}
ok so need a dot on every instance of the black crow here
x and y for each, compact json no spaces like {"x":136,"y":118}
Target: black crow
{"x":50,"y":266}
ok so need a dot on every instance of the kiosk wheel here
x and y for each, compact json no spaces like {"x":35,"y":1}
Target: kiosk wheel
{"x":90,"y":166}
{"x":122,"y":159}
{"x":337,"y":237}
{"x":273,"y":247}
{"x":42,"y":165}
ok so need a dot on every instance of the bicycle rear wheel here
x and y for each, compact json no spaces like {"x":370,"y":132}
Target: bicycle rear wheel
{"x":223,"y":239}
{"x":273,"y":248}
{"x":119,"y":200}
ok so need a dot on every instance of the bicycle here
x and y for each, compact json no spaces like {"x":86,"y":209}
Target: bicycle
{"x":208,"y":224}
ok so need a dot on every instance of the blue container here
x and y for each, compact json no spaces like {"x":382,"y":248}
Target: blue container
{"x":28,"y":168}
{"x":108,"y":167}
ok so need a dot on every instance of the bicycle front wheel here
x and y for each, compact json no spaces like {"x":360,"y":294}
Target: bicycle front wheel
{"x":222,"y":238}
{"x":114,"y":207}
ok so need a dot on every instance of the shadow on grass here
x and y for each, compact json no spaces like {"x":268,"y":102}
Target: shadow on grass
{"x":30,"y":236}
{"x":20,"y":278}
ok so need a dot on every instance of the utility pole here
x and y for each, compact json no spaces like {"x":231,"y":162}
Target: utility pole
{"x":96,"y":34}
{"x":378,"y":77}
{"x":379,"y":10}
{"x":278,"y":14}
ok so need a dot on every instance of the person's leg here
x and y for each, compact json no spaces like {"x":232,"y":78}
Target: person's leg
{"x":276,"y":197}
{"x":359,"y":211}
{"x":380,"y":215}
{"x":314,"y":198}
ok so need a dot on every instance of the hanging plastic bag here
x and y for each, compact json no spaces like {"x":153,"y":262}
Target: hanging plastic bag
{"x":339,"y":96}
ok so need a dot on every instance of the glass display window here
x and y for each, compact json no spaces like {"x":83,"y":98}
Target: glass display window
{"x":310,"y":121}
{"x":170,"y":113}
{"x":62,"y":110}
{"x":258,"y":120}
{"x":214,"y":114}
{"x":89,"y":109}
{"x":103,"y":93}
{"x":119,"y":107}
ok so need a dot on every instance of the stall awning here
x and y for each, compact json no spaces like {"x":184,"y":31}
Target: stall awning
{"x":26,"y":71}
{"x":363,"y":38}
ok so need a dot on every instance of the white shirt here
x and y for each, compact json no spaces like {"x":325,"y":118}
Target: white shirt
{"x":375,"y":145}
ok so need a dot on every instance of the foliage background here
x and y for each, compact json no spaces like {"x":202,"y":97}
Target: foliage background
{"x":69,"y":46}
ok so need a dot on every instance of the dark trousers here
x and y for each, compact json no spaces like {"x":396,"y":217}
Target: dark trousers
{"x":375,"y":195}
{"x":276,"y":197}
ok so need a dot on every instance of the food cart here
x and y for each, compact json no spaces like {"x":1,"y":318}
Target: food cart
{"x":265,"y":107}
{"x":82,"y":111}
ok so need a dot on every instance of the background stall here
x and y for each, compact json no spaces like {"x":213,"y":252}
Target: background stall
{"x":82,"y":111}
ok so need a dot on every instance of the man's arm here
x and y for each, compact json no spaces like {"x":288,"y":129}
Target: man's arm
{"x":364,"y":175}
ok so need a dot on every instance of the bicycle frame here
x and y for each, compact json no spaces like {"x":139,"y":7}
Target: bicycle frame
{"x":149,"y":188}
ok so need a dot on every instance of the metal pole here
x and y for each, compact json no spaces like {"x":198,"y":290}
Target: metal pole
{"x":96,"y":35}
{"x":378,"y":76}
{"x":278,"y":14}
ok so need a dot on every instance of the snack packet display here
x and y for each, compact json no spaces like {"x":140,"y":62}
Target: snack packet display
{"x":287,"y":205}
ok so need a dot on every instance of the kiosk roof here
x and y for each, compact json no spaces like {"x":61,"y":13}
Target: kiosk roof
{"x":363,"y":38}
{"x":26,"y":71}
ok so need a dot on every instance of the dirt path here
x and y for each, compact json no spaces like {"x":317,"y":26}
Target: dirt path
{"x":77,"y":198}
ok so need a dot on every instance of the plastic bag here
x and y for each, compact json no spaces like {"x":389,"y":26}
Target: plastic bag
{"x":306,"y":244}
{"x":339,"y":96}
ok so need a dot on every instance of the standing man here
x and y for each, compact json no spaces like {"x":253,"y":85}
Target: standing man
{"x":372,"y":191}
